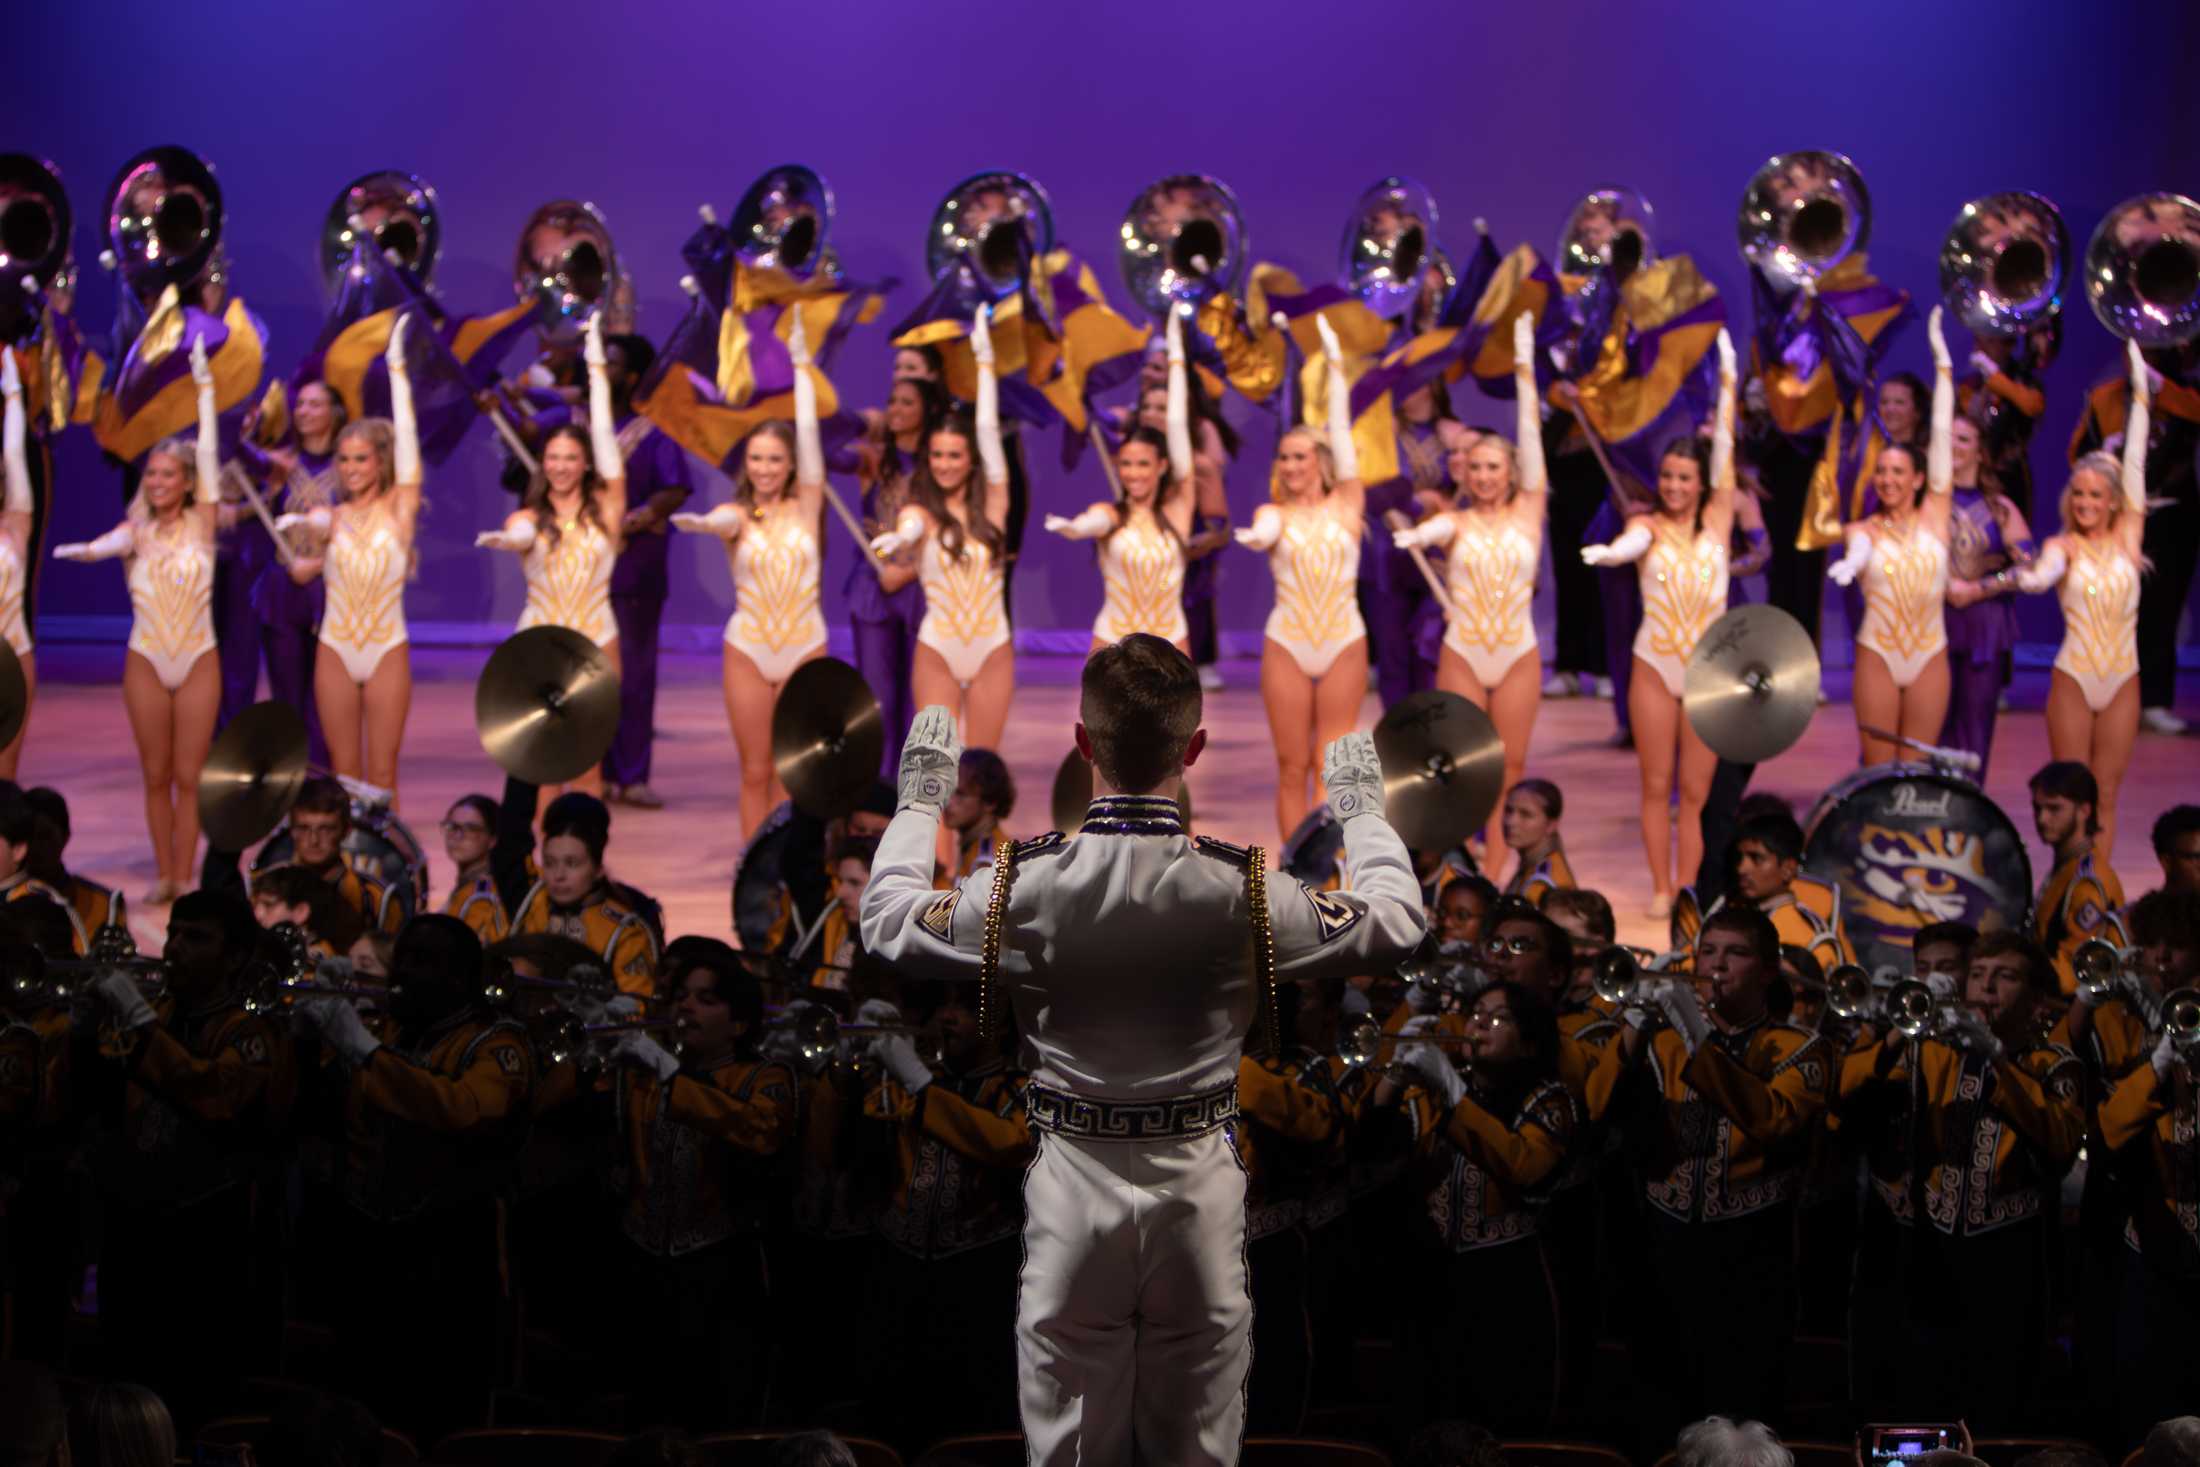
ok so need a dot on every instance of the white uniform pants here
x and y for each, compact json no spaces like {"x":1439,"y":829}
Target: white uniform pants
{"x":1133,"y":1321}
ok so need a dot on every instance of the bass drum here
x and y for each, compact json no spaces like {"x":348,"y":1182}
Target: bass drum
{"x":759,"y":886}
{"x":381,"y":847}
{"x":1909,"y":845}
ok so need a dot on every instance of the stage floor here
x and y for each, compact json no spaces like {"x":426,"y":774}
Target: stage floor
{"x":684,"y":854}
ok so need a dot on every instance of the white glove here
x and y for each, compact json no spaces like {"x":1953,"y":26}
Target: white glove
{"x":393,"y":355}
{"x":1678,"y":1003}
{"x":1331,"y":347}
{"x":119,"y":991}
{"x":2164,"y":1056}
{"x":1174,"y":337}
{"x":592,"y":351}
{"x":798,"y":342}
{"x":1941,"y":985}
{"x":319,"y":521}
{"x":899,"y":1056}
{"x":1727,"y":368}
{"x":928,"y":761}
{"x":981,"y":336}
{"x":1942,"y":362}
{"x":645,"y":1053}
{"x":1635,"y":1017}
{"x":1422,"y":1000}
{"x":877,"y":1011}
{"x":1090,"y":525}
{"x":907,"y":531}
{"x":1844,"y":571}
{"x":202,"y":373}
{"x":339,"y":1026}
{"x":780,"y":1040}
{"x":1434,"y":1070}
{"x":520,"y":538}
{"x":626,"y":1006}
{"x":1523,"y":340}
{"x":1983,"y":364}
{"x":1970,"y":1031}
{"x":75,"y":550}
{"x":1353,"y":776}
{"x":1596,"y":555}
{"x":721,"y":520}
{"x":11,"y":379}
{"x":1435,"y":530}
{"x":1354,"y":1004}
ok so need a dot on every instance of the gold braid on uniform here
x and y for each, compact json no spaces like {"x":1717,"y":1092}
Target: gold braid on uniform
{"x":989,"y":955}
{"x":1264,"y":951}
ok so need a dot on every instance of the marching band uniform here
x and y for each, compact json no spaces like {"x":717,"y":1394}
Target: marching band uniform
{"x":474,"y":901}
{"x":2150,"y":1116}
{"x":603,"y":922}
{"x":1125,"y":948}
{"x":1806,"y":915}
{"x":961,"y":1142}
{"x":1533,"y":883}
{"x":1995,"y":1137}
{"x":1288,"y":1117}
{"x":2079,"y":900}
{"x":700,"y":1147}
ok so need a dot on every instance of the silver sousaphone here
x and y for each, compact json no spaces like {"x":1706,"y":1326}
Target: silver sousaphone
{"x":566,"y":264}
{"x":1610,"y":232}
{"x":34,"y":240}
{"x":398,"y":211}
{"x":2142,"y":270}
{"x":164,"y":220}
{"x":783,"y":221}
{"x":996,"y":223}
{"x":1389,"y":244}
{"x":2005,"y":262}
{"x":1183,"y":240}
{"x":1802,"y":215}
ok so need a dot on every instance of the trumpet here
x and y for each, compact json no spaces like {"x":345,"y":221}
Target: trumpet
{"x":1914,"y":1011}
{"x":1360,"y":1044}
{"x":585,"y":1046}
{"x":1447,"y":968}
{"x":586,"y":983}
{"x":1851,"y":993}
{"x":2100,"y":968}
{"x":1622,"y":973}
{"x":2181,"y":1018}
{"x":818,"y":1032}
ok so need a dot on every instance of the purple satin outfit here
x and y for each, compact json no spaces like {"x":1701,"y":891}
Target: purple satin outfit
{"x":1621,"y":593}
{"x":638,"y":589}
{"x":885,"y":626}
{"x":1981,"y":636}
{"x":281,"y":619}
{"x":1395,"y":601}
{"x":1201,"y":580}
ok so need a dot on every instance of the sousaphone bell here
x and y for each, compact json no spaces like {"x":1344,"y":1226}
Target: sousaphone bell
{"x":565,"y":263}
{"x":1389,"y":240}
{"x":164,"y":220}
{"x":996,"y":223}
{"x":34,"y":239}
{"x":1802,"y":215}
{"x":1183,"y":240}
{"x":2004,"y":263}
{"x":398,"y":211}
{"x":782,"y":223}
{"x":1610,"y":232}
{"x":2142,"y":270}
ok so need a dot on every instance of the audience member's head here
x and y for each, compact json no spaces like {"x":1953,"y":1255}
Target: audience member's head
{"x":1717,"y":1442}
{"x":2072,"y":1456}
{"x":121,"y":1426}
{"x":34,"y":1422}
{"x":1945,"y":1457}
{"x":812,"y":1449}
{"x":2172,"y":1443}
{"x":1452,"y":1444}
{"x":320,"y":1430}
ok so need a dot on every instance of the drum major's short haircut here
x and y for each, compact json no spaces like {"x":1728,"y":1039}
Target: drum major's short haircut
{"x":1140,"y":703}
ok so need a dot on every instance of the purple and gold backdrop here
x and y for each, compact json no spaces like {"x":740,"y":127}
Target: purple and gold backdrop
{"x":1506,"y":112}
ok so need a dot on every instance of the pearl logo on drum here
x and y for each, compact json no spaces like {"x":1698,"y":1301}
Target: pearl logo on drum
{"x":1907,"y":801}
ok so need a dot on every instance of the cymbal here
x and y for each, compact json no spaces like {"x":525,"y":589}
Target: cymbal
{"x":252,"y":775}
{"x":1443,"y":768}
{"x":1073,"y":793}
{"x":1752,"y":684}
{"x":547,"y":705}
{"x":827,"y":738}
{"x":14,"y":696}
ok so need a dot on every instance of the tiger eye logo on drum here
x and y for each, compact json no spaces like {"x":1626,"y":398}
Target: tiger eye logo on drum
{"x":1909,"y":802}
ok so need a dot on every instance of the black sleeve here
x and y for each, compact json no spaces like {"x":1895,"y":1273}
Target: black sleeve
{"x":515,"y":842}
{"x":223,"y":871}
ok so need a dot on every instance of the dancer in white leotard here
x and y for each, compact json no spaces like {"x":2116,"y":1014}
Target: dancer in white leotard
{"x":1681,"y":547}
{"x":362,"y":671}
{"x":772,"y":533}
{"x":2093,"y":691}
{"x":1313,"y":662}
{"x":1902,"y":553}
{"x":1495,"y":541}
{"x":963,"y":661}
{"x":566,"y":531}
{"x":169,"y":682}
{"x":1144,"y":532}
{"x":15,"y":536}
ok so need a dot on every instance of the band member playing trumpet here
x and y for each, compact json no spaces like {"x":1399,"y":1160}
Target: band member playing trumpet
{"x":1681,"y":548}
{"x":1999,"y":1121}
{"x":1901,"y":554}
{"x":699,"y":1132}
{"x":2096,"y":559}
{"x":169,"y":687}
{"x":1313,"y":661}
{"x":205,"y":1089}
{"x":567,"y":530}
{"x":433,"y":1110}
{"x":1723,"y":1101}
{"x":1125,"y":948}
{"x":961,"y":1143}
{"x":773,"y":533}
{"x":15,"y":549}
{"x":1495,"y":542}
{"x":1487,"y":1143}
{"x":957,"y":518}
{"x":1145,"y":534}
{"x":362,"y":672}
